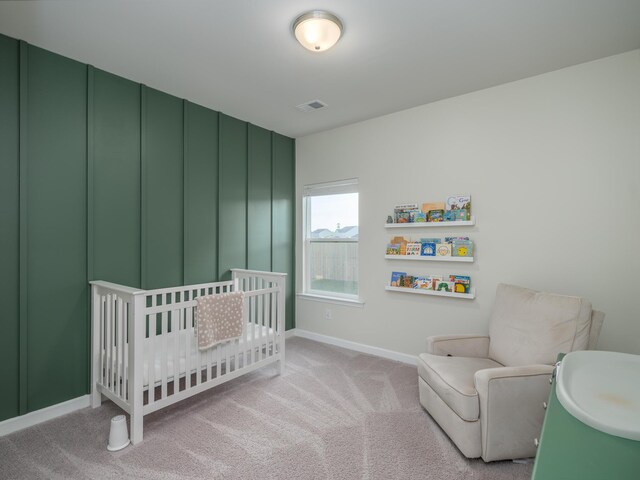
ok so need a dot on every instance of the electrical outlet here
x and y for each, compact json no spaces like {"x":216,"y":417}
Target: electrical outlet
{"x":328,"y":315}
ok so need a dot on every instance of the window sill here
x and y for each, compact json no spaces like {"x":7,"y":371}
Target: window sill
{"x":350,"y":302}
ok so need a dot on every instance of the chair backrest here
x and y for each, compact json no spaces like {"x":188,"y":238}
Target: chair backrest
{"x":597,"y":318}
{"x":529,"y":327}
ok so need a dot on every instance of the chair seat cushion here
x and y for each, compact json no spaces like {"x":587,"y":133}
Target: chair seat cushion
{"x":452,"y":379}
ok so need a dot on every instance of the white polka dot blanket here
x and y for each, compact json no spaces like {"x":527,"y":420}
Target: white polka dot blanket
{"x":219,"y":318}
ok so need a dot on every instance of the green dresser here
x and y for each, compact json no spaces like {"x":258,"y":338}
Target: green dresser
{"x":570,"y":450}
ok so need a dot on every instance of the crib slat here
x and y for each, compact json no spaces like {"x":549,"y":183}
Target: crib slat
{"x":269,"y":321}
{"x":151,"y":359}
{"x":176,"y":321}
{"x":274,"y":321}
{"x":103,"y":338}
{"x":109,"y":341}
{"x":187,"y":348}
{"x":164,"y":333}
{"x":125,"y":374}
{"x":120,"y":345}
{"x":199,"y":355}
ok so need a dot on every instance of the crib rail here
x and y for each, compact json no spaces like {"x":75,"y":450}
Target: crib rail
{"x":145,"y":354}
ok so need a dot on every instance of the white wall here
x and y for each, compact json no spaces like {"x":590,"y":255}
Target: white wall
{"x":553,"y":167}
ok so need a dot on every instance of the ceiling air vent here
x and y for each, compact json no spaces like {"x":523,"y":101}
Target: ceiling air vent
{"x":311,"y":106}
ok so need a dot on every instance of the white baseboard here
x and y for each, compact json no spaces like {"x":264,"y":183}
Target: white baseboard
{"x":290,"y":333}
{"x":33,"y":418}
{"x":358,"y":347}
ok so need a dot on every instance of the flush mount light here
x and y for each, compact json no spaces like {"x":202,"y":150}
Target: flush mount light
{"x":317,"y":30}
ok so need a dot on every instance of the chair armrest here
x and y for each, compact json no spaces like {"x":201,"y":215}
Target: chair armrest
{"x":511,"y":409}
{"x":459,"y":345}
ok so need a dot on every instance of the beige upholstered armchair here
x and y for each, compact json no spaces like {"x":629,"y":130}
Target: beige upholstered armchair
{"x":487,"y":392}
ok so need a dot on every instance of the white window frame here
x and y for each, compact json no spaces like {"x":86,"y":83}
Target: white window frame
{"x":318,"y":189}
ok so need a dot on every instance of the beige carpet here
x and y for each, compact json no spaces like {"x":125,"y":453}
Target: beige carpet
{"x":336,"y":414}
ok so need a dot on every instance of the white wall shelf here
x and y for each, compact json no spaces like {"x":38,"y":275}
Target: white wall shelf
{"x":460,"y":223}
{"x":468,"y":296}
{"x":430,"y":258}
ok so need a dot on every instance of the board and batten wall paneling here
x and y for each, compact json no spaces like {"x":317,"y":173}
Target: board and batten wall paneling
{"x":283,"y":198}
{"x":259,"y":199}
{"x":162,"y":190}
{"x":56,"y":217}
{"x":200,"y":194}
{"x":232,"y":213}
{"x":103,"y":178}
{"x":115,"y":153}
{"x":10,"y":221}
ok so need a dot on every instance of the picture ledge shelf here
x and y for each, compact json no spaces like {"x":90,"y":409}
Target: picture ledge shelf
{"x":467,"y":296}
{"x":460,"y":223}
{"x":429,"y":258}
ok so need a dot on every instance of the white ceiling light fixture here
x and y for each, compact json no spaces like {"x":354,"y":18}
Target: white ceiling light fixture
{"x":317,"y":30}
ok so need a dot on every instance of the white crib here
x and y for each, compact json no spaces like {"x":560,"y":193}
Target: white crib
{"x":144,"y":350}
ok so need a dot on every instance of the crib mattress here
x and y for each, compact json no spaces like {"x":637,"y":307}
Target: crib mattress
{"x":244,"y":346}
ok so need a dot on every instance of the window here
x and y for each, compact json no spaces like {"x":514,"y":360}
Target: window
{"x":330,"y":236}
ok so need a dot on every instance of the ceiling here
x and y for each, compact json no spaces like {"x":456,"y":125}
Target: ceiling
{"x":240,"y":57}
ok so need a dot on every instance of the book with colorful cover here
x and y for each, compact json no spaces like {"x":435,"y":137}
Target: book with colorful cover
{"x":427,"y":207}
{"x":443,"y":250}
{"x":413,"y":248}
{"x":443,"y":286}
{"x":461,"y":215}
{"x":393,"y":249}
{"x":458,"y":202}
{"x":462,"y":248}
{"x":435,"y":215}
{"x":452,"y":239}
{"x":422,"y":283}
{"x":420,"y":217}
{"x":397,"y":279}
{"x":408,"y":282}
{"x":461,"y":283}
{"x":428,"y":249}
{"x":405,"y":213}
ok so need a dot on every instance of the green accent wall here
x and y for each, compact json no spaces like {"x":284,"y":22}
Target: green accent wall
{"x":10,"y":221}
{"x":162,"y":190}
{"x":282,"y":237}
{"x":200,"y":194}
{"x":232,"y":233}
{"x":56,"y":220}
{"x":259,"y":200}
{"x":115,"y":180}
{"x":104,"y":178}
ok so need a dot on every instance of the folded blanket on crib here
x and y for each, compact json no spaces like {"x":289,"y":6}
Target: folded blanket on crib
{"x":219,"y":318}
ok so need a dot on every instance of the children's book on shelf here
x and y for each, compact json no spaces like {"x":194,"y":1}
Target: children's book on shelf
{"x":422,"y":283}
{"x":460,"y":215}
{"x":413,"y":248}
{"x":420,"y":217}
{"x":435,"y":216}
{"x":393,"y":249}
{"x":461,"y":283}
{"x":449,"y":216}
{"x":462,"y":248}
{"x":405,"y":213}
{"x":443,"y":286}
{"x":443,"y":250}
{"x":407,"y":281}
{"x":452,"y":239}
{"x":458,"y":202}
{"x":428,"y":249}
{"x":397,"y":279}
{"x":427,"y":207}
